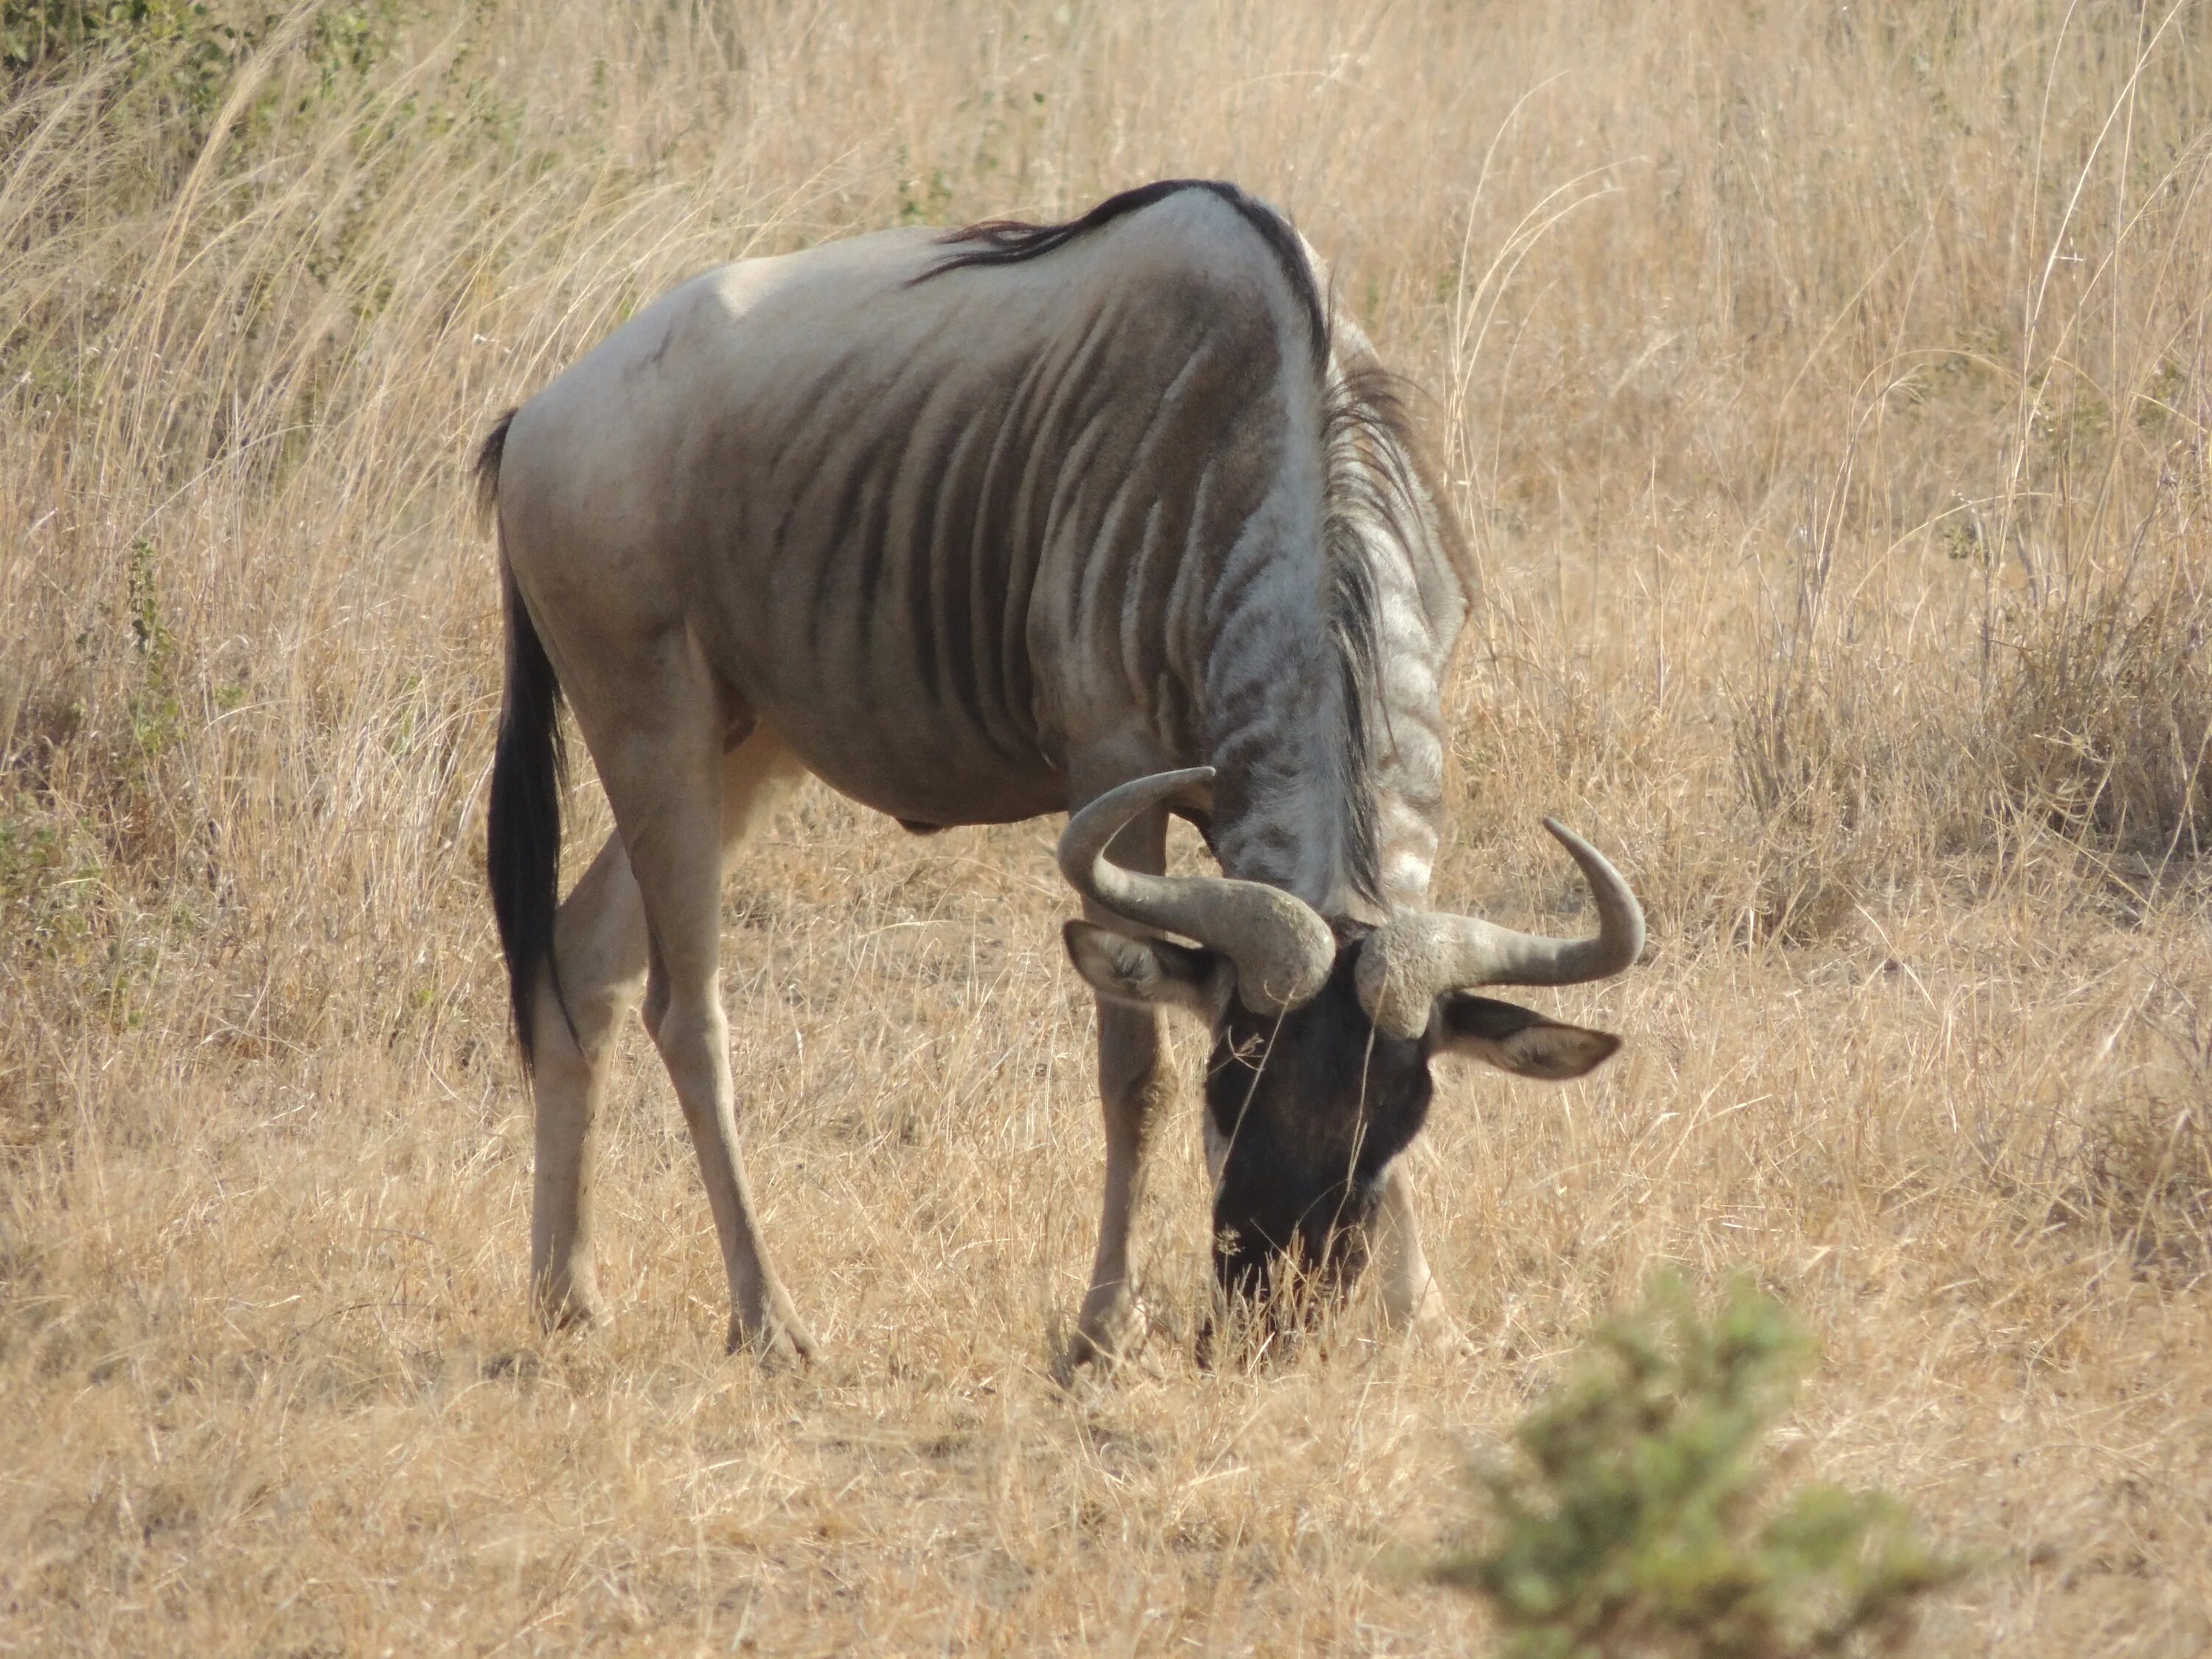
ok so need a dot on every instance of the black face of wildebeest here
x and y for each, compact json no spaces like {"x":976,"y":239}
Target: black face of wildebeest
{"x":1311,"y":1106}
{"x":1307,"y":1107}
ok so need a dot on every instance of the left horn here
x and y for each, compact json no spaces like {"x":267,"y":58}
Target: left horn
{"x":1407,"y":964}
{"x":1282,"y":948}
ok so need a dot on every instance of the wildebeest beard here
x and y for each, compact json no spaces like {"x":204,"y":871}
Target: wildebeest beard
{"x":1312,"y":1106}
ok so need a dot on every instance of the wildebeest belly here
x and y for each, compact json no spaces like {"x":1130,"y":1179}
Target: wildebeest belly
{"x":924,"y":777}
{"x":870,"y":713}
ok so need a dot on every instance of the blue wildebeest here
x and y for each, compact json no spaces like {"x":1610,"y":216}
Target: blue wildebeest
{"x":1108,"y":516}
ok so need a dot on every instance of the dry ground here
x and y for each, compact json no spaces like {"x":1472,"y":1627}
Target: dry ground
{"x":1827,"y":388}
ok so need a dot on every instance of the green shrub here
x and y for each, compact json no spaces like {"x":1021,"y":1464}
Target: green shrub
{"x":1640,"y":1516}
{"x":183,"y":35}
{"x":168,"y":64}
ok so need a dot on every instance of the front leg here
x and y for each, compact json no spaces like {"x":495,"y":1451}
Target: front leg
{"x":1134,"y":1086}
{"x":1410,"y":1297}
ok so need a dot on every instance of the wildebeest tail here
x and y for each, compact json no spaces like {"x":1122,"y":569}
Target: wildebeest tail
{"x":489,"y":456}
{"x":522,"y":850}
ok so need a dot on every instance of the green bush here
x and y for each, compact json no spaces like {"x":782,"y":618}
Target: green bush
{"x":36,"y":33}
{"x":1640,"y":1516}
{"x":170,"y":62}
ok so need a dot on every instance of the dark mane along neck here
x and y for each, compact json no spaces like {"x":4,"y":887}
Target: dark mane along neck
{"x":1380,"y":523}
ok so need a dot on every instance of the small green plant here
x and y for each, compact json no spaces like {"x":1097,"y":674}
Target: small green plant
{"x":157,"y":711}
{"x":189,"y":50}
{"x":1640,"y":1518}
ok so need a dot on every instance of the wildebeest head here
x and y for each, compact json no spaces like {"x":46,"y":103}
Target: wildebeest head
{"x":1324,"y":1037}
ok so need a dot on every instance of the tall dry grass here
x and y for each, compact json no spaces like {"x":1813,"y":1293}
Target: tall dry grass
{"x":1828,"y":390}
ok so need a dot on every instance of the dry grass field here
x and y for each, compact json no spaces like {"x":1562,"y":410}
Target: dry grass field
{"x":1827,"y":389}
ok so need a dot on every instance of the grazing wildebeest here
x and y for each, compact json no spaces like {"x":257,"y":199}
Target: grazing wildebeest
{"x":1107,"y":516}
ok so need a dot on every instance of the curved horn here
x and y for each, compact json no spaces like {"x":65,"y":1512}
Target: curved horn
{"x":1282,"y":948}
{"x":1408,"y":963}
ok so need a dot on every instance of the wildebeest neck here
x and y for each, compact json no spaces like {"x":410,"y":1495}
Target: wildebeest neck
{"x":1322,"y":668}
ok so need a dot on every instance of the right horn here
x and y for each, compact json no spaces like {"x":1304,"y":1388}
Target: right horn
{"x":1408,"y":963}
{"x":1282,"y":948}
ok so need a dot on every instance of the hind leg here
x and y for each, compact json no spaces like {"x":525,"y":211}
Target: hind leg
{"x":600,"y":943}
{"x":662,"y":765}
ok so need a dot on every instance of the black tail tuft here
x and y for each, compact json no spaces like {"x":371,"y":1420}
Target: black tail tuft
{"x":522,"y":852}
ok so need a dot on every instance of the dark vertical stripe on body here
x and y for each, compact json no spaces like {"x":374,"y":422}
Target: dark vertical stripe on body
{"x":907,"y":528}
{"x":1085,"y":416}
{"x":941,"y":607}
{"x":852,"y":559}
{"x":1158,"y":557}
{"x":970,"y":657}
{"x":889,"y":575}
{"x":1002,"y":521}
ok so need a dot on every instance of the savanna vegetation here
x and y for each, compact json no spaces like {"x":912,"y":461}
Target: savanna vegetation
{"x":1827,"y":390}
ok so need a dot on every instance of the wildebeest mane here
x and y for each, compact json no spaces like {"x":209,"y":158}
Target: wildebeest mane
{"x":1014,"y":241}
{"x":1372,"y":489}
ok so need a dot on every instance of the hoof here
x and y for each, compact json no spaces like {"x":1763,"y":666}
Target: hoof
{"x":776,"y":1340}
{"x":1432,"y":1330}
{"x":576,"y":1305}
{"x":1105,"y":1337}
{"x":1084,"y":1352}
{"x":1430,"y":1323}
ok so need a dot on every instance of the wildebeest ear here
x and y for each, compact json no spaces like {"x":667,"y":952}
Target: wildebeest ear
{"x":1151,"y":973}
{"x":1516,"y":1040}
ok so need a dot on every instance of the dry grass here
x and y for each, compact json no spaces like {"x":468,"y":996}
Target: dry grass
{"x":1829,"y":388}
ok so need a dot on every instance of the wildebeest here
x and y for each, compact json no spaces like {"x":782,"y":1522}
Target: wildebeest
{"x":1111,"y":516}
